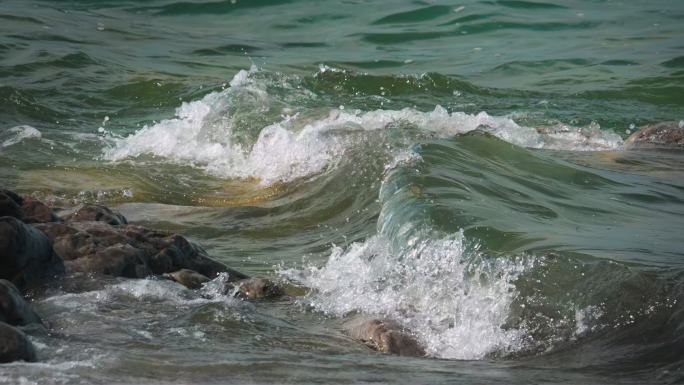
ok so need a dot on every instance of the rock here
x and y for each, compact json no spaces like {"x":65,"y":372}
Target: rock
{"x":659,"y":135}
{"x":14,"y":346}
{"x":10,"y":205}
{"x":119,"y":260}
{"x":14,"y":310}
{"x":99,"y":213}
{"x":188,"y":278}
{"x":128,"y":251}
{"x":26,"y":257}
{"x":258,"y":288}
{"x":14,"y":196}
{"x":384,"y":336}
{"x":54,"y":230}
{"x":35,"y":211}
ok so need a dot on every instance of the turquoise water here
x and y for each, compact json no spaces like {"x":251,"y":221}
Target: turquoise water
{"x":457,"y":167}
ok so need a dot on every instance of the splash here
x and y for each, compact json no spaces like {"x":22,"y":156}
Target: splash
{"x":16,"y":134}
{"x":454,"y":299}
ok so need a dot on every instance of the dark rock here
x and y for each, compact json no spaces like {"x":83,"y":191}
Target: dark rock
{"x":659,"y":135}
{"x":14,"y":310}
{"x":14,"y":346}
{"x":384,"y":336}
{"x":26,"y":257}
{"x":35,"y":211}
{"x":88,"y":213}
{"x":8,"y":205}
{"x":188,"y":278}
{"x":14,"y":196}
{"x":259,"y":288}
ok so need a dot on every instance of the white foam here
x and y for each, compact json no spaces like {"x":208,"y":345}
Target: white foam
{"x":16,"y":134}
{"x":203,"y":134}
{"x":453,"y":299}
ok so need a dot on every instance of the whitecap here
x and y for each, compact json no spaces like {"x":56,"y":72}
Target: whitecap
{"x":204,"y":134}
{"x":16,"y":134}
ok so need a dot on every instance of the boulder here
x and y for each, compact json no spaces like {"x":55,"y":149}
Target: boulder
{"x":14,"y":346}
{"x":35,"y":211}
{"x":89,"y":213}
{"x":659,"y":135}
{"x":188,"y":278}
{"x":384,"y":336}
{"x":26,"y":257}
{"x":14,"y":310}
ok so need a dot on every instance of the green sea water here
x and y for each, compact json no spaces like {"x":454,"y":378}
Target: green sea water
{"x":455,"y":166}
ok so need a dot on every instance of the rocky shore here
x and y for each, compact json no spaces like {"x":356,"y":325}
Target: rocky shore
{"x":40,"y":245}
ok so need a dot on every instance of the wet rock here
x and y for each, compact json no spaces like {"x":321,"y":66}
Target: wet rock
{"x":35,"y":211}
{"x":98,"y":213}
{"x":119,"y":260}
{"x":384,"y":336}
{"x":128,"y":251}
{"x":188,"y":278}
{"x":14,"y":346}
{"x":659,"y":135}
{"x":10,"y":204}
{"x":26,"y":257}
{"x":54,"y":230}
{"x":14,"y":310}
{"x":259,"y":288}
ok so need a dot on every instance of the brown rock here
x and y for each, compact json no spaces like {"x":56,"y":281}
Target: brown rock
{"x":119,"y":260}
{"x":384,"y":336}
{"x":14,"y":346}
{"x":35,"y":211}
{"x":659,"y":135}
{"x":54,"y":230}
{"x":128,"y":251}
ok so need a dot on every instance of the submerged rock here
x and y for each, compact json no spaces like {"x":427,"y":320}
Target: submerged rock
{"x":14,"y":346}
{"x":14,"y":310}
{"x":26,"y":257}
{"x":188,"y":278}
{"x":259,"y":288}
{"x":384,"y":336}
{"x":659,"y":135}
